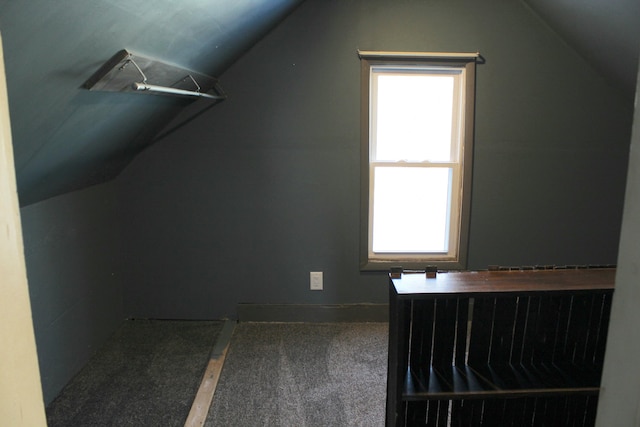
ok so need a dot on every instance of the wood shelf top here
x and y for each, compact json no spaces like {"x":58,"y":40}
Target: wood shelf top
{"x":477,"y":283}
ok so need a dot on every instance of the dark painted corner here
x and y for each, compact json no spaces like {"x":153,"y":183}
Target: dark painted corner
{"x":73,"y":257}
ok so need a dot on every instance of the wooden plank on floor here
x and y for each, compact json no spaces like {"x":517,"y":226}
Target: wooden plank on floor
{"x":204,"y":396}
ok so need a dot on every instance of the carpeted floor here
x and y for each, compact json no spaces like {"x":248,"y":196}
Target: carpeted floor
{"x":147,"y":374}
{"x":303,"y":374}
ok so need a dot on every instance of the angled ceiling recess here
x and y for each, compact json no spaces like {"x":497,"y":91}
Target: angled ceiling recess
{"x":66,"y":137}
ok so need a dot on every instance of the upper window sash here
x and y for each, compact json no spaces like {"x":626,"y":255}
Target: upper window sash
{"x":418,"y":78}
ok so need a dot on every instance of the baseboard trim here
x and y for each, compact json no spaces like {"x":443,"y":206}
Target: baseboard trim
{"x":325,"y":313}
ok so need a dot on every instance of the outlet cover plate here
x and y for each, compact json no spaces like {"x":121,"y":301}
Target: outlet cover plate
{"x":315,"y":280}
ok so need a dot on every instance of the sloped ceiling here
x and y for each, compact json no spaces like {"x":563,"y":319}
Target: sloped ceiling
{"x":606,"y":33}
{"x":66,"y":138}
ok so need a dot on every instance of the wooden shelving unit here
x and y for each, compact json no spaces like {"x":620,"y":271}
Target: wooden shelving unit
{"x":497,"y":348}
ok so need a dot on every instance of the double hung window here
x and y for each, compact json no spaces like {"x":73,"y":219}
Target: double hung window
{"x":417,"y":144}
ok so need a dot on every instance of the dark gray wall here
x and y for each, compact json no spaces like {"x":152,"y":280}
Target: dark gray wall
{"x":73,"y":267}
{"x":240,"y":204}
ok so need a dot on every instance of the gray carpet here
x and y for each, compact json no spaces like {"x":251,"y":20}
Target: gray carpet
{"x":146,"y":375}
{"x":303,"y":374}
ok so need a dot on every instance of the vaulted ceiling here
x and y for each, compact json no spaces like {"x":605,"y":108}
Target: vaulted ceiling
{"x":66,"y":137}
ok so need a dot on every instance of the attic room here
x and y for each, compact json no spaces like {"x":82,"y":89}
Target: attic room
{"x":143,"y":206}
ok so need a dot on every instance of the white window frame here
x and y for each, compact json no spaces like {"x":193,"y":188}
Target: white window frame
{"x":462,"y":66}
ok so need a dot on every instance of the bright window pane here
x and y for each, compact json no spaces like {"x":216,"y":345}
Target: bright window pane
{"x":414,"y":117}
{"x":410,"y":209}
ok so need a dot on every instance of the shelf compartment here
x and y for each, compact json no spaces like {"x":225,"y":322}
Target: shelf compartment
{"x":498,"y":382}
{"x":544,"y":411}
{"x":497,"y":343}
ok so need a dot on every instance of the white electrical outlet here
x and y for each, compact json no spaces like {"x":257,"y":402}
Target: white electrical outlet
{"x":315,"y":280}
